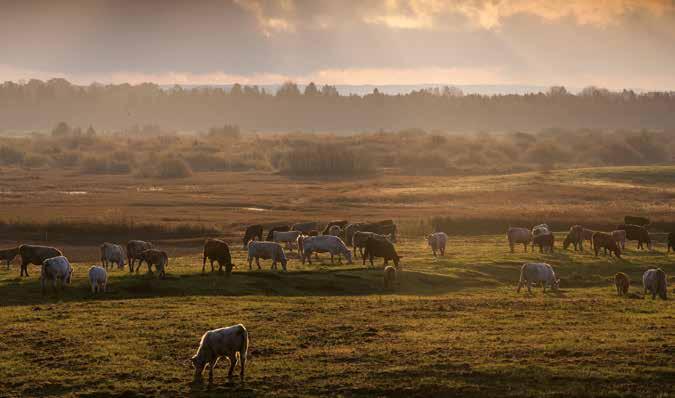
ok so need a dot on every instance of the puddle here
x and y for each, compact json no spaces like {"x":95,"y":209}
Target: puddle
{"x":73,"y":192}
{"x":253,"y":209}
{"x":149,"y":189}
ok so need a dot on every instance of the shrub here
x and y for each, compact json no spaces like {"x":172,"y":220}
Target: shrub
{"x":35,"y":161}
{"x":173,"y":167}
{"x":11,"y":156}
{"x":326,"y":159}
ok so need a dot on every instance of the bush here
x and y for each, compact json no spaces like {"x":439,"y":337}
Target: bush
{"x":326,"y":159}
{"x":173,"y":167}
{"x":11,"y":156}
{"x":35,"y":161}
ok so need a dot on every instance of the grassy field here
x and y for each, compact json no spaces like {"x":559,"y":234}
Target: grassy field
{"x":454,"y":326}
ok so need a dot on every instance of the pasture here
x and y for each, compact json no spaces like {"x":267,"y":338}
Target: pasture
{"x":454,"y":326}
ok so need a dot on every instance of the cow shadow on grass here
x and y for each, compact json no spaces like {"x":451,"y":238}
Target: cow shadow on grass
{"x":323,"y":282}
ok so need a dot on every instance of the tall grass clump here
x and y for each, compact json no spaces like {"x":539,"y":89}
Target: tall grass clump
{"x":327,"y":160}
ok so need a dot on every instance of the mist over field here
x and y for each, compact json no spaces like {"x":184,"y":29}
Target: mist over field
{"x":390,"y":198}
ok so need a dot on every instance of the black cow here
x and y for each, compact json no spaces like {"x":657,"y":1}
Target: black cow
{"x":380,"y":248}
{"x":638,"y":233}
{"x":641,"y":221}
{"x":253,"y":231}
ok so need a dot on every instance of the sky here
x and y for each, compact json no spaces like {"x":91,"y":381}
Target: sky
{"x":608,"y":43}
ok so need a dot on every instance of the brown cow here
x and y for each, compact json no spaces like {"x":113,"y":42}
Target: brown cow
{"x":575,"y":237}
{"x":252,"y":232}
{"x":588,"y":235}
{"x":605,"y":241}
{"x":33,"y":254}
{"x":8,"y":255}
{"x":638,"y":233}
{"x":155,"y":257}
{"x":217,"y":250}
{"x":622,"y":283}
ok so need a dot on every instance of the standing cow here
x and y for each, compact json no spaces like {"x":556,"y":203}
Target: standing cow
{"x":112,"y":254}
{"x":252,"y":232}
{"x":437,"y":242}
{"x":268,"y":251}
{"x":605,"y":241}
{"x":8,"y":255}
{"x":34,"y":254}
{"x":155,"y":257}
{"x":654,"y":282}
{"x":380,"y":248}
{"x":134,"y":250}
{"x":535,"y":273}
{"x":575,"y":237}
{"x":217,"y":250}
{"x":55,"y":269}
{"x":638,"y":233}
{"x":519,"y":235}
{"x":227,"y":342}
{"x":324,"y":244}
{"x":98,"y":279}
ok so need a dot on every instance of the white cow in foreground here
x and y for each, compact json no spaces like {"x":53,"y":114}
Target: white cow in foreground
{"x":537,"y":272}
{"x":98,"y":279}
{"x":112,"y":253}
{"x":288,"y":237}
{"x":437,"y":242}
{"x":654,"y":282}
{"x":55,"y":268}
{"x":227,"y":342}
{"x":324,"y":244}
{"x":268,"y":251}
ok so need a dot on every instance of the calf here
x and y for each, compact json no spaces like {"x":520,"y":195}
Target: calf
{"x":134,"y":250}
{"x":98,"y":279}
{"x":605,"y":241}
{"x":638,"y":233}
{"x":155,"y":257}
{"x":217,"y":250}
{"x":544,"y":241}
{"x":55,"y":269}
{"x":654,"y":282}
{"x":380,"y":248}
{"x":437,"y":242}
{"x":518,"y":235}
{"x":230,"y":342}
{"x":252,"y":232}
{"x":622,"y":283}
{"x":34,"y":254}
{"x":537,"y":272}
{"x":390,"y":277}
{"x":8,"y":255}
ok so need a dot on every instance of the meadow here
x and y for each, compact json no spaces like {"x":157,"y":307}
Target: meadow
{"x":453,"y":326}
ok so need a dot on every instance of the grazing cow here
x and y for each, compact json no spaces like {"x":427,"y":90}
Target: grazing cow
{"x":267,"y":251}
{"x":340,"y":223}
{"x":638,"y":233}
{"x":112,"y":253}
{"x":280,"y":228}
{"x":622,"y":283}
{"x":55,"y":269}
{"x":654,"y":282}
{"x":289,"y":238}
{"x":605,"y":241}
{"x":155,"y":257}
{"x":252,"y":232}
{"x":350,"y":230}
{"x":519,"y":235}
{"x":359,"y":240}
{"x":390,"y":277}
{"x":230,"y":342}
{"x":33,"y":254}
{"x":671,"y":241}
{"x":619,"y":236}
{"x":380,"y":248}
{"x":324,"y":244}
{"x":8,"y":255}
{"x":98,"y":279}
{"x":537,"y":272}
{"x":437,"y":242}
{"x":588,"y":235}
{"x":134,"y":250}
{"x":385,"y":227}
{"x":575,"y":237}
{"x":544,"y":241}
{"x":334,"y":230}
{"x":217,"y":250}
{"x":305,"y":227}
{"x":641,"y":221}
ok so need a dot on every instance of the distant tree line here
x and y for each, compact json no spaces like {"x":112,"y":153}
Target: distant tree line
{"x":38,"y":105}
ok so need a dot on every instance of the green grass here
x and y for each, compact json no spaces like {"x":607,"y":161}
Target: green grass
{"x":454,"y":326}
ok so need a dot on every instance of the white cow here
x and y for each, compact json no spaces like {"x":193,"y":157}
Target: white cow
{"x":230,"y":342}
{"x":55,"y":268}
{"x":654,"y":282}
{"x":112,"y":253}
{"x":288,"y":237}
{"x":537,"y":272}
{"x":437,"y":242}
{"x":324,"y":244}
{"x":268,"y":251}
{"x":519,"y":235}
{"x":98,"y":279}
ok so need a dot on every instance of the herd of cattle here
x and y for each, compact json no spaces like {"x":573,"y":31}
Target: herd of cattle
{"x":369,"y":240}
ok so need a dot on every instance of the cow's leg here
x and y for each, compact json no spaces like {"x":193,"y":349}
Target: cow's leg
{"x":332,"y":261}
{"x":525,"y":247}
{"x":94,"y":286}
{"x":257,"y":262}
{"x":371,"y":261}
{"x":211,"y":366}
{"x":242,"y":363}
{"x":520,"y":284}
{"x":529,"y":287}
{"x":233,"y":363}
{"x":221,"y":267}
